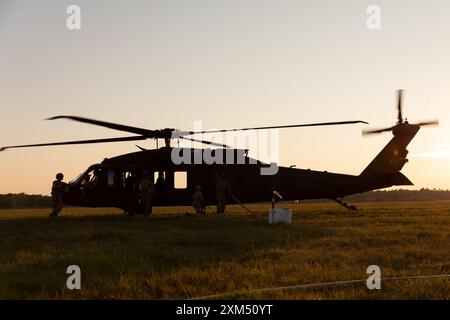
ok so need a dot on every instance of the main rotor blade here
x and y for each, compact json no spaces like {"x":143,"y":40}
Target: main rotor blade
{"x":281,"y":127}
{"x":399,"y":105}
{"x":144,"y":132}
{"x":429,"y":123}
{"x":206,"y":142}
{"x":371,"y":131}
{"x":133,"y":138}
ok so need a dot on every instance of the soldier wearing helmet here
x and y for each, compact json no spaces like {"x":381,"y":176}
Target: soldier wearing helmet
{"x":58,"y":187}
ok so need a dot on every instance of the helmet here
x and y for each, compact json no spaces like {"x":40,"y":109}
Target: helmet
{"x":59,"y":176}
{"x":198,"y":188}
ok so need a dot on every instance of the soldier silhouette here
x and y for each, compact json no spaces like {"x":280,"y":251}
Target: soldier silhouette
{"x":146,"y":192}
{"x":58,"y":187}
{"x":198,"y":202}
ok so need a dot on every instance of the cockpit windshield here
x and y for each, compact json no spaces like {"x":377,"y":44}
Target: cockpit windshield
{"x":87,"y":176}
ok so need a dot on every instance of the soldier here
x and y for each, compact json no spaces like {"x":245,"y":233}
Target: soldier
{"x":198,"y":201}
{"x":222,"y":189}
{"x":146,"y":192}
{"x":58,"y":187}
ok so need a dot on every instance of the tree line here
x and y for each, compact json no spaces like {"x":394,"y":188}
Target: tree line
{"x":401,"y":195}
{"x":24,"y":201}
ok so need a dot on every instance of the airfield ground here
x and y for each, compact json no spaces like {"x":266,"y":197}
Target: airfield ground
{"x":172,"y":255}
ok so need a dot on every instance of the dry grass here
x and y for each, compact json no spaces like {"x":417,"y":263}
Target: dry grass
{"x":172,"y":255}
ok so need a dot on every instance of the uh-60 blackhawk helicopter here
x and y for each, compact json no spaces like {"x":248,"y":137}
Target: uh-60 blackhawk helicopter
{"x":114,"y":182}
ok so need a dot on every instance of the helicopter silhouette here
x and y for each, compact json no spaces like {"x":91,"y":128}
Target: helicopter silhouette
{"x":114,"y":181}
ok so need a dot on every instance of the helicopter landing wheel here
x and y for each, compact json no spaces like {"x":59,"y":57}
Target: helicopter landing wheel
{"x":129,"y":213}
{"x":149,"y":212}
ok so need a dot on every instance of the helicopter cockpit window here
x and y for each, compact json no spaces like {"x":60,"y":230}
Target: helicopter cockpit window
{"x":90,"y":179}
{"x":129,"y":179}
{"x":160,"y":177}
{"x":110,"y":178}
{"x":180,"y":179}
{"x":86,"y":179}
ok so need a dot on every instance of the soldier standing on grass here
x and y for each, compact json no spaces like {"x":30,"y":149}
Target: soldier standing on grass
{"x":222,"y":189}
{"x":198,"y":202}
{"x":146,"y":192}
{"x":58,"y":187}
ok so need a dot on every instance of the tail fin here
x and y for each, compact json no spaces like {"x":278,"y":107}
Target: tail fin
{"x":392,"y":158}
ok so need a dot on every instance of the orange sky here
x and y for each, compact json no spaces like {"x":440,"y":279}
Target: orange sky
{"x":157,"y":64}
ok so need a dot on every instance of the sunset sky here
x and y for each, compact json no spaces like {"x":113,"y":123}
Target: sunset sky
{"x":233,"y":63}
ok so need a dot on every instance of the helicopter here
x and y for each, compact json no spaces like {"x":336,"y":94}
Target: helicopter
{"x":114,"y":181}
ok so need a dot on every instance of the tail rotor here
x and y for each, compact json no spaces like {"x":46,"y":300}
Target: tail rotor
{"x":401,"y":123}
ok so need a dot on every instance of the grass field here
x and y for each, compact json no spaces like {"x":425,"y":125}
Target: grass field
{"x":173,"y":255}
